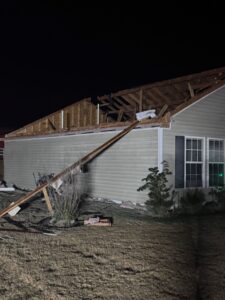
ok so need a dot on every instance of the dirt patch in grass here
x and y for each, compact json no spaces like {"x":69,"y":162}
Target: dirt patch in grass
{"x":137,"y":258}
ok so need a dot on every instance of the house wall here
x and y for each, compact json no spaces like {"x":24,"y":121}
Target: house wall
{"x":205,"y":118}
{"x":1,"y":169}
{"x":115,"y":174}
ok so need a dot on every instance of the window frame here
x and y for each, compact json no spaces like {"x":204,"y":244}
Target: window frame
{"x":214,"y":139}
{"x":202,"y":161}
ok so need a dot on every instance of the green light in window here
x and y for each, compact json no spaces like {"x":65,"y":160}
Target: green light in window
{"x":220,"y":174}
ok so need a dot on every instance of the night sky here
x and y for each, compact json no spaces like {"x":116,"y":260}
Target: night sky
{"x":52,"y":55}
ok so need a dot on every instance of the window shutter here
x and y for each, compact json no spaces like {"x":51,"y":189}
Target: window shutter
{"x":179,"y":162}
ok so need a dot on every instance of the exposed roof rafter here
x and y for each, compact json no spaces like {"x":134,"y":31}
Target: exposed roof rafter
{"x":167,"y":97}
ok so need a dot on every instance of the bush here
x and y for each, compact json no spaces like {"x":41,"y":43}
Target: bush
{"x":66,"y":200}
{"x":192,"y":201}
{"x":160,"y":197}
{"x":218,"y":197}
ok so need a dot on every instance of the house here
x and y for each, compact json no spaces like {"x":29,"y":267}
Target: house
{"x":188,"y":132}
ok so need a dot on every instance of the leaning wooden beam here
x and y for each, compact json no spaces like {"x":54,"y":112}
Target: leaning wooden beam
{"x":47,"y":200}
{"x":87,"y":158}
{"x":163,"y":110}
{"x":141,"y":100}
{"x":120,"y":115}
{"x":191,"y":90}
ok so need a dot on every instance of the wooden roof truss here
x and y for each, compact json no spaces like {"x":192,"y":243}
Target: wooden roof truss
{"x":120,"y":108}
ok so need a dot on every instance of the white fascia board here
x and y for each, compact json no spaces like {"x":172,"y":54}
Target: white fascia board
{"x":73,"y":135}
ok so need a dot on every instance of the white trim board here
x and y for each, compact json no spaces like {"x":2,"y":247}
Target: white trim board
{"x":73,"y":135}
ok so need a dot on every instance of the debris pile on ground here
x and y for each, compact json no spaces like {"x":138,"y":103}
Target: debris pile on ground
{"x":99,"y":221}
{"x":5,"y":188}
{"x":34,"y":214}
{"x":6,"y":198}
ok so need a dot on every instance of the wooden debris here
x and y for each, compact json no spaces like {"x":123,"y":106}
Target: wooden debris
{"x":191,"y":90}
{"x":120,"y":115}
{"x":141,"y":100}
{"x":91,"y":221}
{"x":98,"y":221}
{"x":162,"y":111}
{"x":47,"y":200}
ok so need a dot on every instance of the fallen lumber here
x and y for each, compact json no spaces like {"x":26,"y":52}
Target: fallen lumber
{"x":87,"y":158}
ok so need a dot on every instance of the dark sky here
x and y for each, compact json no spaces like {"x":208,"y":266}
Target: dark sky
{"x":55,"y":53}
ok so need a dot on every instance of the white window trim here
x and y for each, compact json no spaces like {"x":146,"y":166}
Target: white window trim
{"x":207,"y":162}
{"x":203,"y":160}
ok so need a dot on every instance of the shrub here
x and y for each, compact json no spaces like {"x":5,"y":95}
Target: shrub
{"x":66,"y":199}
{"x":192,"y":201}
{"x":160,"y":197}
{"x":218,"y":197}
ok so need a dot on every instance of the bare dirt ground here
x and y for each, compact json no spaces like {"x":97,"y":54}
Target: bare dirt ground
{"x":137,"y":258}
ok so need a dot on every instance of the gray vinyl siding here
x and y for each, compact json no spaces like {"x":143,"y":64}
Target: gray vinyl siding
{"x":1,"y":169}
{"x":115,"y":174}
{"x":205,"y":118}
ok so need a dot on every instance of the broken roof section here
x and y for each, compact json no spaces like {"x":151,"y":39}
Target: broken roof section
{"x":120,"y":108}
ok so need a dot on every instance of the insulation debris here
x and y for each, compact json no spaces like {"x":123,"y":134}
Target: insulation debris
{"x":98,"y":221}
{"x":146,"y":114}
{"x":14,"y":211}
{"x":7,"y":189}
{"x":4,"y":187}
{"x":57,"y":184}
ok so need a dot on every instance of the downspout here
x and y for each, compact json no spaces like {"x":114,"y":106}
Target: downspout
{"x":160,"y":149}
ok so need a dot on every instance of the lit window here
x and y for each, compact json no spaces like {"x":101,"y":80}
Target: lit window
{"x":216,"y":162}
{"x":194,"y":162}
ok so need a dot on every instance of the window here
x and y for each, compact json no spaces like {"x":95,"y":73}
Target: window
{"x":193,"y":162}
{"x":216,"y":162}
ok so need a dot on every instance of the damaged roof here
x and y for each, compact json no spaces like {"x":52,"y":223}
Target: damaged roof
{"x":172,"y":93}
{"x":120,"y":108}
